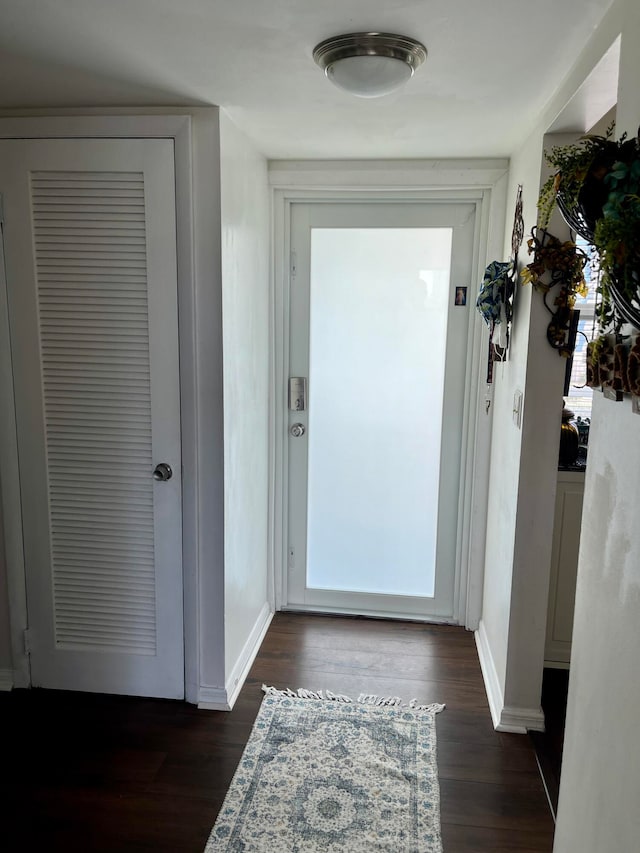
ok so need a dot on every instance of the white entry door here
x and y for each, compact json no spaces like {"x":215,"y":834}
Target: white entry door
{"x":379,"y":321}
{"x":90,"y":259}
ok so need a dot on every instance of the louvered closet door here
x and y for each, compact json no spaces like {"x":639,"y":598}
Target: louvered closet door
{"x":89,"y":237}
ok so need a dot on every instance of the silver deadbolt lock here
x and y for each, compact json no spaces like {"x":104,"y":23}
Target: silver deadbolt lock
{"x":297,"y":430}
{"x":298,"y":394}
{"x":162,"y":472}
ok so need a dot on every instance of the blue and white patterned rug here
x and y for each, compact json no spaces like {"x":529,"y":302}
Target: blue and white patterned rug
{"x":324,"y":774}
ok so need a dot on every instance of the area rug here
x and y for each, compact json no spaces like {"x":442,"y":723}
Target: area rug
{"x":322,"y":772}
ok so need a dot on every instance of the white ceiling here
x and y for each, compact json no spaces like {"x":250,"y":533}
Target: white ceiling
{"x":491,"y":67}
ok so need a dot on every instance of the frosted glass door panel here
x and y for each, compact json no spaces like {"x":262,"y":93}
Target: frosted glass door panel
{"x":378,"y":326}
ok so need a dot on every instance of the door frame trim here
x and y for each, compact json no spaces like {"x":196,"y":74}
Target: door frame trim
{"x":194,"y":132}
{"x":10,"y":495}
{"x":482,"y":183}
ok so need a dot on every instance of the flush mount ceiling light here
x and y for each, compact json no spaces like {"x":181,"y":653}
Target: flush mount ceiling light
{"x":369,"y":64}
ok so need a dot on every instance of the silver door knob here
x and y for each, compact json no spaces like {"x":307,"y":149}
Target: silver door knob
{"x":162,"y":472}
{"x":297,"y":430}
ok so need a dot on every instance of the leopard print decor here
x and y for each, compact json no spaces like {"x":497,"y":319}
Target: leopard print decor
{"x":616,"y":366}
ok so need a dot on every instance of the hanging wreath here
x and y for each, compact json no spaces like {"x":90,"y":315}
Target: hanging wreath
{"x":559,"y":267}
{"x":596,"y":185}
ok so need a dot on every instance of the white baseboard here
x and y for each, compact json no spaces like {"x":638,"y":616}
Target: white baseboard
{"x":489,"y":674}
{"x":213,"y":699}
{"x":557,"y":664}
{"x":248,"y":654}
{"x":505,"y":718}
{"x":521,"y":720}
{"x":223,"y":699}
{"x":6,"y":679}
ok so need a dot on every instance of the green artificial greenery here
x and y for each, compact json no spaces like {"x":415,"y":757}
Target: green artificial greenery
{"x":617,"y":236}
{"x":570,"y":164}
{"x":598,"y":181}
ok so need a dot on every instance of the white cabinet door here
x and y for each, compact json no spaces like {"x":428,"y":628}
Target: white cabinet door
{"x":564,"y":568}
{"x":90,"y":250}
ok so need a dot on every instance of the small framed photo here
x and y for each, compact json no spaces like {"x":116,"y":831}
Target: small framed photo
{"x":461,"y":296}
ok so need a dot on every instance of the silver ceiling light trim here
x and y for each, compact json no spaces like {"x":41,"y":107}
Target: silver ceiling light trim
{"x":370,"y":44}
{"x":370,"y":77}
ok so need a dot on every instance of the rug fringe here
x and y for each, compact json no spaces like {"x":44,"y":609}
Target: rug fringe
{"x":363,"y":698}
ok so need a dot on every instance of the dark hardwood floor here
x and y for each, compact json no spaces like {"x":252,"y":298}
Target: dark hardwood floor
{"x":103,"y":773}
{"x":549,"y":744}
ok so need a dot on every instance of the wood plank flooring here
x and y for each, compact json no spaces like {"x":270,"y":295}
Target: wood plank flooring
{"x":549,"y":745}
{"x":104,"y":773}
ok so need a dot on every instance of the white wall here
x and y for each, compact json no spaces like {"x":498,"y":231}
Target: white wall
{"x":521,"y":486}
{"x":201,"y":342}
{"x":245,"y":308}
{"x":601,"y":767}
{"x":541,"y":421}
{"x":523,"y":466}
{"x":224,"y":393}
{"x":600,"y":781}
